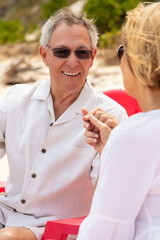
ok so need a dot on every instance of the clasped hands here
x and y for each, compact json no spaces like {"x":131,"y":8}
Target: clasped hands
{"x":98,"y":125}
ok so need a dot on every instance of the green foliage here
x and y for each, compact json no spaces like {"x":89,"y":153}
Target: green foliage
{"x":109,"y":17}
{"x":11,"y":31}
{"x":109,"y":14}
{"x":105,"y":12}
{"x":108,"y":39}
{"x":53,"y":5}
{"x":21,"y":4}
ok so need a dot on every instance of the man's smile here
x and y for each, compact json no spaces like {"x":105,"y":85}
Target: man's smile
{"x":70,"y":74}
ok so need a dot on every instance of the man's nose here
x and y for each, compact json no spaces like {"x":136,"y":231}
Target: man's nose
{"x":72,"y":60}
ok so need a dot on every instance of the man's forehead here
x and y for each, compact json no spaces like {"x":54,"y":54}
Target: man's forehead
{"x":66,"y":33}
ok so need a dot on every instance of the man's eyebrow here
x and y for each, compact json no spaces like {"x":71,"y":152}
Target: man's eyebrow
{"x":61,"y":46}
{"x":83,"y":46}
{"x":79,"y":47}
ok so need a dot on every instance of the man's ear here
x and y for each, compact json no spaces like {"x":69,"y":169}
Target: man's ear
{"x":43,"y":53}
{"x":93,"y":56}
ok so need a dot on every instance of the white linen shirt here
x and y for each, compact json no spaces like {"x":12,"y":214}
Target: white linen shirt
{"x":126,"y":203}
{"x":49,"y":161}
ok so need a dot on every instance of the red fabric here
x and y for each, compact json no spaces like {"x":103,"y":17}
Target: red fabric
{"x":125,"y":100}
{"x":2,"y":186}
{"x":59,"y":229}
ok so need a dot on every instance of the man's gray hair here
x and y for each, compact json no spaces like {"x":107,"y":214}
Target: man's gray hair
{"x":67,"y":16}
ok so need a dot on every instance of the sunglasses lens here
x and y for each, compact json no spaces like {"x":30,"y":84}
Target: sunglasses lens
{"x":83,"y":54}
{"x":61,"y":53}
{"x":64,"y":53}
{"x":120,"y":52}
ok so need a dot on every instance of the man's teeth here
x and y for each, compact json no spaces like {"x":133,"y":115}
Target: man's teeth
{"x":70,"y":74}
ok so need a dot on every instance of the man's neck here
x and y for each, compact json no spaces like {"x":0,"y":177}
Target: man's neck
{"x":62,"y":102}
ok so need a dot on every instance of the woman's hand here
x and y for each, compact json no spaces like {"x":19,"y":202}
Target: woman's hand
{"x":99,"y":125}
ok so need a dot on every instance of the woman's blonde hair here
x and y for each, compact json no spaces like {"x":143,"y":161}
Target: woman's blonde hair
{"x":141,"y":40}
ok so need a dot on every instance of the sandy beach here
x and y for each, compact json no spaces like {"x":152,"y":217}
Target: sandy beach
{"x":101,"y":76}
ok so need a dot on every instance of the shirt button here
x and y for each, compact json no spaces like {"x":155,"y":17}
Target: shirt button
{"x":33,"y":175}
{"x":14,"y":210}
{"x":23,"y":201}
{"x":51,"y":124}
{"x":43,"y":150}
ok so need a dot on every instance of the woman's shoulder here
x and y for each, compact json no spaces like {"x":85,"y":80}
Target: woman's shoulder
{"x":141,"y":121}
{"x":137,"y":136}
{"x":142,"y":129}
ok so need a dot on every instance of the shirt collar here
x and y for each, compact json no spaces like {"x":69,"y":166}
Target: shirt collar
{"x":42,"y":91}
{"x":87,"y":99}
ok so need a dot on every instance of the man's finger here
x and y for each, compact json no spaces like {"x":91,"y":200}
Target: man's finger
{"x":84,"y":111}
{"x":112,"y":123}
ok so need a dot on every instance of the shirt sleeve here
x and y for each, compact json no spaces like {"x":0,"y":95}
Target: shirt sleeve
{"x":126,"y":174}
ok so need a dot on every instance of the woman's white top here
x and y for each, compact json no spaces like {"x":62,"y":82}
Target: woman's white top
{"x":126,"y":203}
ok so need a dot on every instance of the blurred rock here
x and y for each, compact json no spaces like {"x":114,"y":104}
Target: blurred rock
{"x":12,"y":72}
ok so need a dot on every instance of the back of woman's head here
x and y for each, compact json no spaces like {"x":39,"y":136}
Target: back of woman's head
{"x":141,"y":40}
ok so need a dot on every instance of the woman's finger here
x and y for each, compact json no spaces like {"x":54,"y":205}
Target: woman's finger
{"x":104,"y":117}
{"x":91,"y":141}
{"x":112,"y":123}
{"x":98,"y":114}
{"x":90,"y":134}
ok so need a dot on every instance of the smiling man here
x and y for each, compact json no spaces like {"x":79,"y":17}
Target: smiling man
{"x":52,"y":169}
{"x":69,"y":55}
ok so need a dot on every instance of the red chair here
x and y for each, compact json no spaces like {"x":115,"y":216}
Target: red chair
{"x":2,"y":186}
{"x":60,"y":229}
{"x":129,"y":103}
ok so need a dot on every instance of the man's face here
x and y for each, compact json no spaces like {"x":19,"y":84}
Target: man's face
{"x":68,"y":75}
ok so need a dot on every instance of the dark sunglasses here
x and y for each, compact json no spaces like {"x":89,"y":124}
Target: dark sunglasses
{"x":65,"y":52}
{"x":120,"y":52}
